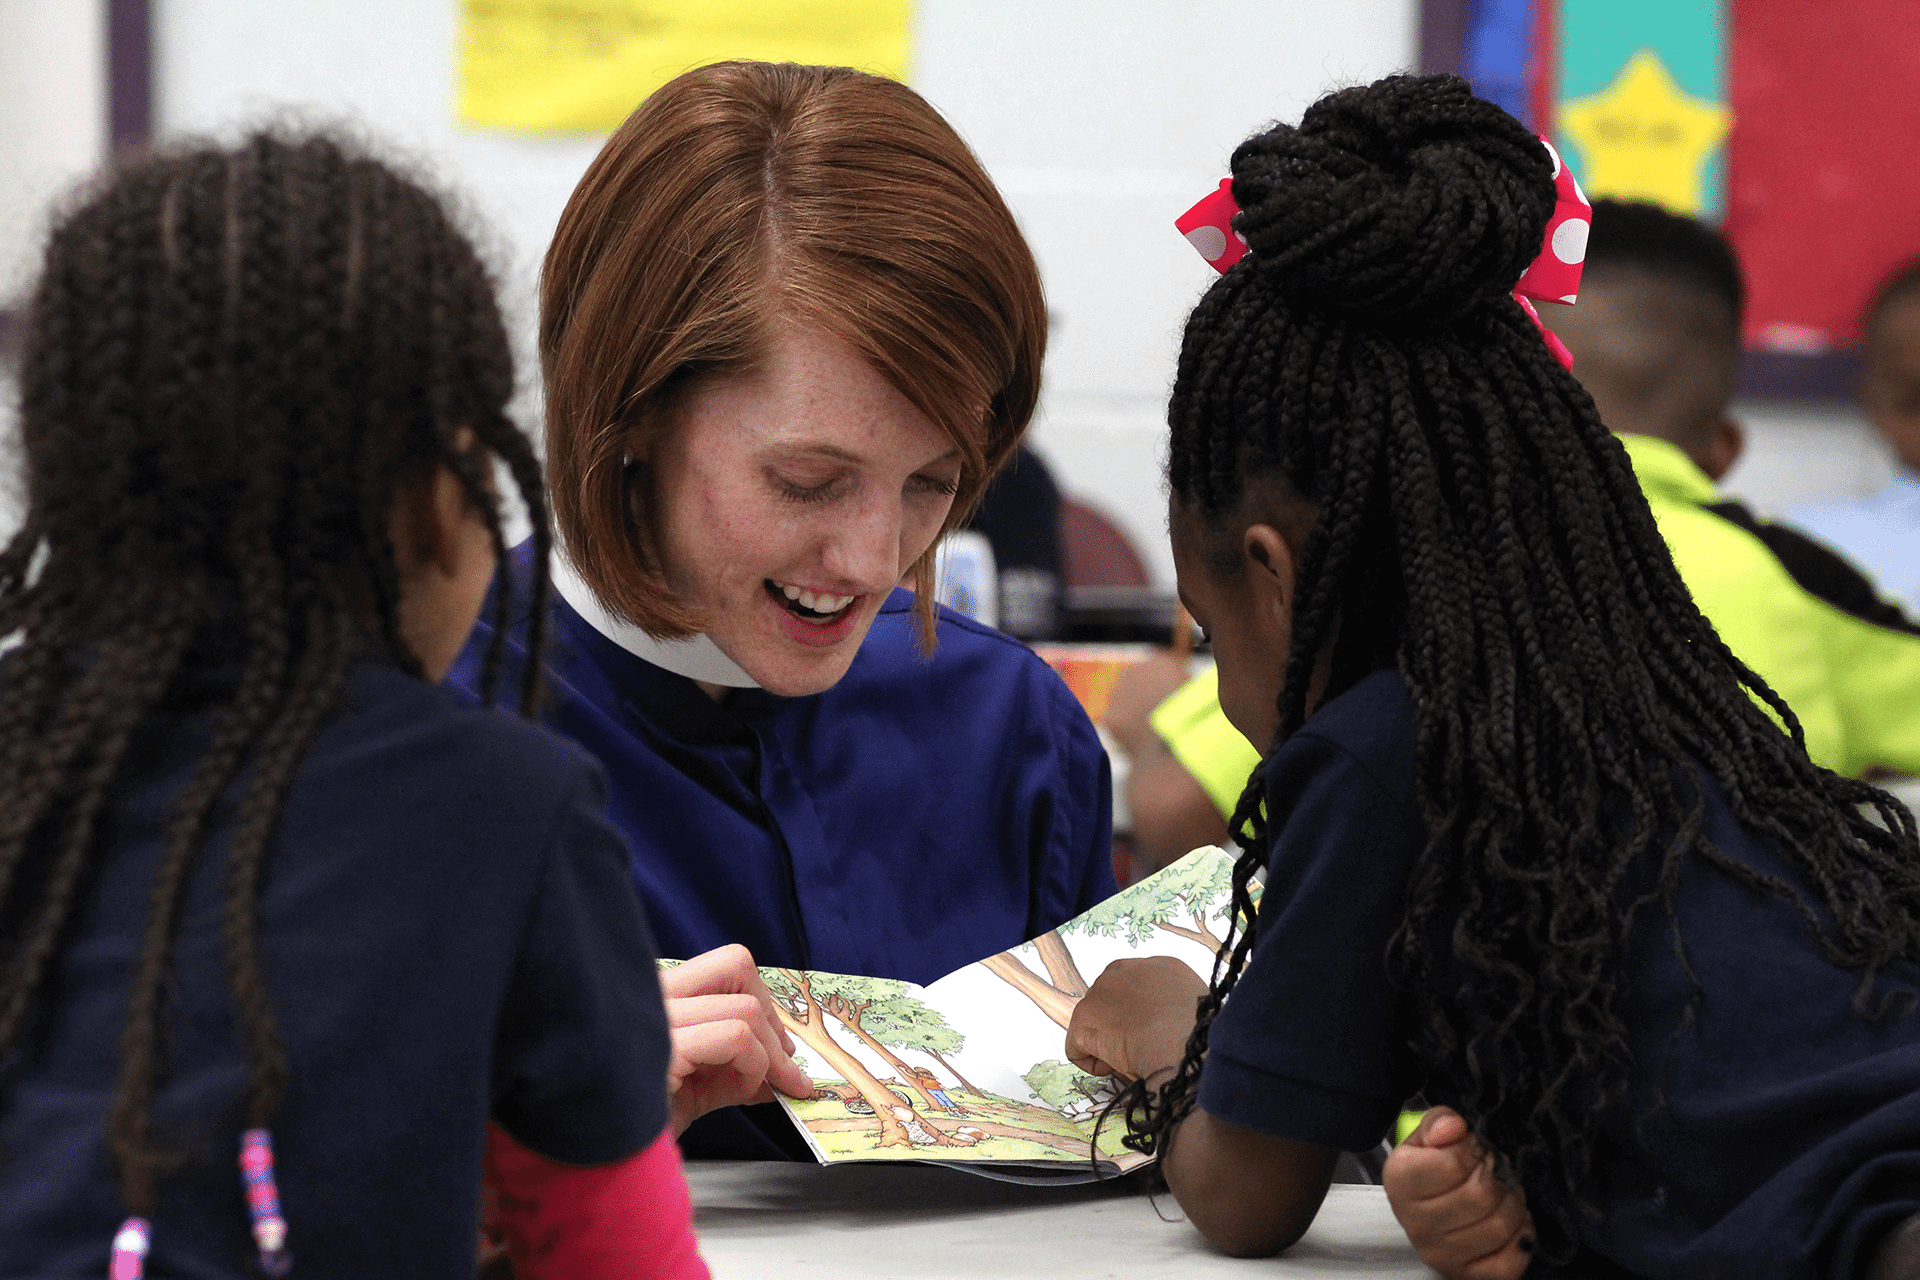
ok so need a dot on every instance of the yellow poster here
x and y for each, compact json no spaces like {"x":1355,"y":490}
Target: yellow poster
{"x":581,"y":66}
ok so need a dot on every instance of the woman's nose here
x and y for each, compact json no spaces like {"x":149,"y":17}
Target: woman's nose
{"x":864,"y":549}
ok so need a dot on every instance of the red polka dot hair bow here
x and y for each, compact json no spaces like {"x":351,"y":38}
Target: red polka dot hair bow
{"x":1554,"y":276}
{"x":1208,"y":227}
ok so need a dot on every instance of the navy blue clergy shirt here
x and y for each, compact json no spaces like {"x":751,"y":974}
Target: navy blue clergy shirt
{"x":910,"y":820}
{"x":447,"y":937}
{"x":1767,"y":1131}
{"x":916,"y":817}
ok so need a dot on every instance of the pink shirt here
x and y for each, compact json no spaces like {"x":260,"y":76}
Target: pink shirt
{"x":633,"y":1219}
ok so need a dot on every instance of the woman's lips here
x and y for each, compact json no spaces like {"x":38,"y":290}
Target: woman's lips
{"x":815,"y":634}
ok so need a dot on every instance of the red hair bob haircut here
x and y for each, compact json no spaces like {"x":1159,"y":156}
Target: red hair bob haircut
{"x":740,"y":196}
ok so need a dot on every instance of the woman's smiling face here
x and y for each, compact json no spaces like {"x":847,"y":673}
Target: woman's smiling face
{"x":792,"y":500}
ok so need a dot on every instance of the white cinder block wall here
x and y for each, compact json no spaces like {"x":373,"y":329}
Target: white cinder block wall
{"x":1101,"y":120}
{"x":53,"y":128}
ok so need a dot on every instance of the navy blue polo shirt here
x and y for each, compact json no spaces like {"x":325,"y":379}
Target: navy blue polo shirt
{"x":1777,"y":1136}
{"x":448,"y":935}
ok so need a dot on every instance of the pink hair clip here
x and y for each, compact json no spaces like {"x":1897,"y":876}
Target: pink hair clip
{"x":1554,"y":276}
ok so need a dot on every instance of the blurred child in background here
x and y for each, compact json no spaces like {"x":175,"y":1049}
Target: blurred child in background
{"x":1187,"y":763}
{"x":1656,"y":341}
{"x":284,"y":925}
{"x":1882,"y":533}
{"x":1020,"y":516}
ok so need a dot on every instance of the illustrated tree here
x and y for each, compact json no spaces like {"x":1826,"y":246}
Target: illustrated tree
{"x":882,"y":1011}
{"x":1054,"y":1001}
{"x":1060,"y":1084}
{"x":853,"y":1000}
{"x":906,"y":1023}
{"x":1190,"y":889}
{"x":805,"y":1000}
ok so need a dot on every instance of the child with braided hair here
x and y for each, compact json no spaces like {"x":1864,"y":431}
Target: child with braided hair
{"x":1537,"y":846}
{"x":284,"y":925}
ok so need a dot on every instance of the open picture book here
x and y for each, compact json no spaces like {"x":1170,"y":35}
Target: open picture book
{"x":971,"y":1070}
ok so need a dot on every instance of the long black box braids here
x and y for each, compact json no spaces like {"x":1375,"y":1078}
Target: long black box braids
{"x":1481,"y":530}
{"x":234,"y":359}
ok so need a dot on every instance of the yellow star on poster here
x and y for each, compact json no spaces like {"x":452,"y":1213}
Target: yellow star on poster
{"x":1643,"y":137}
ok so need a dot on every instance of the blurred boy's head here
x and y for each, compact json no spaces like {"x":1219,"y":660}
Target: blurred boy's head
{"x":1890,"y":369}
{"x":1656,"y":334}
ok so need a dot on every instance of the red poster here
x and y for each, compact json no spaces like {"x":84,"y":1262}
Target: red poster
{"x":1823,"y":166}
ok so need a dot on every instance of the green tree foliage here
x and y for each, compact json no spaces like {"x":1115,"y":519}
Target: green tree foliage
{"x":1060,"y":1084}
{"x":1178,"y":900}
{"x":906,"y":1023}
{"x":854,"y":1001}
{"x":859,"y":991}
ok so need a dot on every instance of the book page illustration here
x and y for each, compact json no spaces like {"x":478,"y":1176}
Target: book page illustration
{"x":973,"y":1067}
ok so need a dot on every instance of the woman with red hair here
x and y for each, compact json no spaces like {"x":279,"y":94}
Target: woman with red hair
{"x":789,"y":331}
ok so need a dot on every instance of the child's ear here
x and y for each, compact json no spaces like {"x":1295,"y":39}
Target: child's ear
{"x":452,"y":517}
{"x":431,"y":516}
{"x":1722,"y":448}
{"x":1268,"y":564}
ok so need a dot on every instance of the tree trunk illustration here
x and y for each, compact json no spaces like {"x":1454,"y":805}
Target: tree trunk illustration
{"x":849,"y":1015}
{"x":811,"y":1027}
{"x":1199,"y":933}
{"x":1053,"y":1002}
{"x":1060,"y":966}
{"x":954,"y":1072}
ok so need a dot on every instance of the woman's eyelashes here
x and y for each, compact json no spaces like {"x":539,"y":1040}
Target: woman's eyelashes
{"x":812,"y":491}
{"x":806,"y":490}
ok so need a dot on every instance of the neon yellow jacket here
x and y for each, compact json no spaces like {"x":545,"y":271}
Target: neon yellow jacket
{"x":1847,"y":662}
{"x":1196,"y":731}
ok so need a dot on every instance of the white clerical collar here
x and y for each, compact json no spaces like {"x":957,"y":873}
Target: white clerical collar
{"x":696,"y":658}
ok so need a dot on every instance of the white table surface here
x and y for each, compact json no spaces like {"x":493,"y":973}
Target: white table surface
{"x":852,"y":1222}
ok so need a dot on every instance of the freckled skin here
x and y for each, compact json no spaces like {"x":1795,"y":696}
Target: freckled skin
{"x":812,"y":471}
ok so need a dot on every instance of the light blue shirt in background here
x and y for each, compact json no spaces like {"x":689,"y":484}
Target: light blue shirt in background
{"x":1880,"y":534}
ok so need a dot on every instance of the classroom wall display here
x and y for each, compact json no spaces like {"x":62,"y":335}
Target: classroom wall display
{"x":1638,"y":93}
{"x":536,"y":66}
{"x":1778,"y":121}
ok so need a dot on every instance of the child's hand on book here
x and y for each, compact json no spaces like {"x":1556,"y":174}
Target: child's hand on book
{"x":1463,"y":1219}
{"x":1136,"y":1018}
{"x":728,"y":1046}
